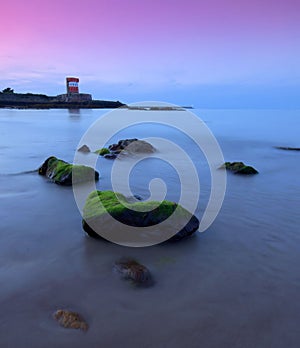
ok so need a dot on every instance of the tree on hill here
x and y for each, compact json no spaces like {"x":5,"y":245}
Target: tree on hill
{"x":7,"y":90}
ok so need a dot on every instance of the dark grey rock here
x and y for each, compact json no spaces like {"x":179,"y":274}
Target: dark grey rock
{"x":84,"y":148}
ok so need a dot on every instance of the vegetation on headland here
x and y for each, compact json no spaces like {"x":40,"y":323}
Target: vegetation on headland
{"x":7,"y":90}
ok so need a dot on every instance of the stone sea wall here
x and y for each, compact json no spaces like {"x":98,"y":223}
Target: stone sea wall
{"x":76,"y":97}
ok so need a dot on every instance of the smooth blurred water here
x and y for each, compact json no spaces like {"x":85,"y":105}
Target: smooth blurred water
{"x":236,"y":285}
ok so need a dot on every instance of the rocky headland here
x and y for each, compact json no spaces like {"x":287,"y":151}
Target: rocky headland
{"x":63,"y":101}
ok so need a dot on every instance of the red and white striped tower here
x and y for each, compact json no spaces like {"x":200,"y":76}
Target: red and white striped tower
{"x":72,"y":85}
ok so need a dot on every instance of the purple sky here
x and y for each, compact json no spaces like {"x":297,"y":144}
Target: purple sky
{"x":169,"y":50}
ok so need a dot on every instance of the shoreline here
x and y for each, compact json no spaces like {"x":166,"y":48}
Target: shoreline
{"x":95,"y":104}
{"x":63,"y":101}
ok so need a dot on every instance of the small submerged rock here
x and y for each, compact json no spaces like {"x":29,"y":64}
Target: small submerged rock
{"x":110,"y":156}
{"x":130,"y":269}
{"x":239,"y":168}
{"x":84,"y":149}
{"x":64,"y":173}
{"x":70,"y":320}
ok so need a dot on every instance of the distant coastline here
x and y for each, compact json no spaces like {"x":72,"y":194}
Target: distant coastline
{"x":65,"y":101}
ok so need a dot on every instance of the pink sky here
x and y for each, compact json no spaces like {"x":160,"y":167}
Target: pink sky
{"x":148,"y":43}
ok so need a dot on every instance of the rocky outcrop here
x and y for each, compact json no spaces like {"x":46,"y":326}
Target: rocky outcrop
{"x":240,"y":168}
{"x":132,"y":146}
{"x":100,"y":206}
{"x":130,"y":269}
{"x":84,"y":148}
{"x":126,"y":147}
{"x":64,"y":173}
{"x":70,"y":320}
{"x":41,"y":101}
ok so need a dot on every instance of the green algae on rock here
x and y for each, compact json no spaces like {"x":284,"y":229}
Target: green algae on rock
{"x":239,"y":168}
{"x":64,"y":173}
{"x":102,"y":151}
{"x":103,"y":208}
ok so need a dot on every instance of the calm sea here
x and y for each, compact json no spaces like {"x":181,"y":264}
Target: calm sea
{"x":236,"y":285}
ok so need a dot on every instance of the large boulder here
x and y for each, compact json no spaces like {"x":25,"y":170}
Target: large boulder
{"x":64,"y":173}
{"x":103,"y":208}
{"x":240,"y":168}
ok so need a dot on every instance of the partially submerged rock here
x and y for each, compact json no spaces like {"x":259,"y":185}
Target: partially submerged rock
{"x":288,"y":148}
{"x":126,"y":147}
{"x":110,"y":156}
{"x":240,"y":168}
{"x":70,"y":320}
{"x":130,"y":269}
{"x":102,"y":208}
{"x":84,"y":148}
{"x":64,"y":173}
{"x":132,"y":146}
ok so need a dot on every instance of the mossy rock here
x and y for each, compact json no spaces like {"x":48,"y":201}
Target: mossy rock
{"x":64,"y":173}
{"x":103,"y":151}
{"x":100,"y":206}
{"x":240,"y":168}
